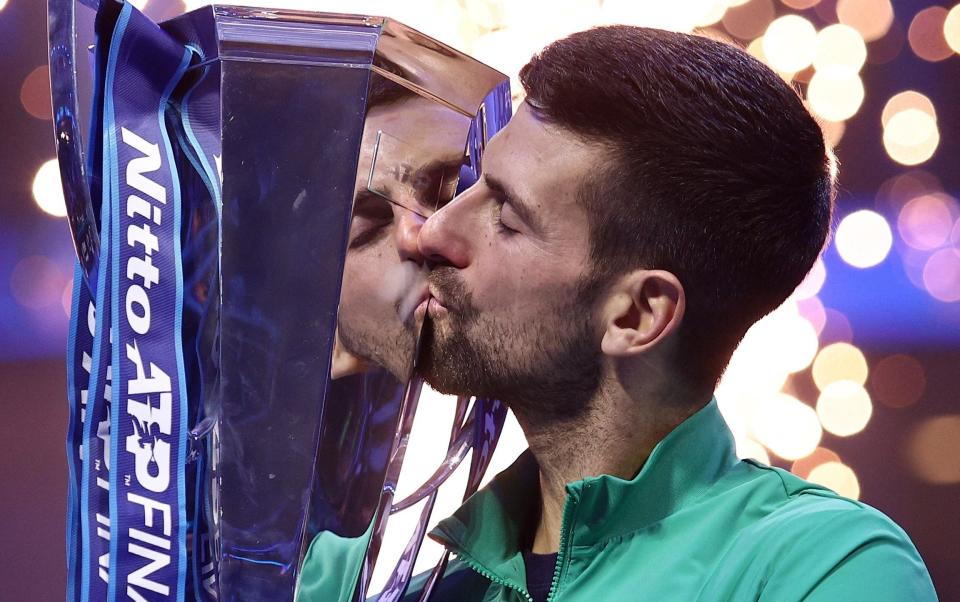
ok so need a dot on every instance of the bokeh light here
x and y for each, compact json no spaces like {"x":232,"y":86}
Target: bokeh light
{"x":941,"y":275}
{"x":675,"y":16}
{"x":926,"y":34}
{"x":835,"y":95}
{"x":872,"y":18}
{"x":749,"y":20}
{"x":35,"y":93}
{"x":925,"y":222}
{"x":790,"y":43}
{"x":748,"y":448}
{"x":951,"y":29}
{"x":3,"y":3}
{"x":837,"y":328}
{"x":813,"y":281}
{"x":908,"y":99}
{"x":898,"y":381}
{"x":838,"y":362}
{"x":838,"y":477}
{"x":37,"y":282}
{"x":863,"y":238}
{"x":911,"y":137}
{"x":800,"y":4}
{"x":803,"y":466}
{"x":47,"y":189}
{"x":813,"y":311}
{"x":66,"y":298}
{"x":785,"y":425}
{"x":933,"y":450}
{"x":844,"y":408}
{"x":832,"y":131}
{"x":840,"y":47}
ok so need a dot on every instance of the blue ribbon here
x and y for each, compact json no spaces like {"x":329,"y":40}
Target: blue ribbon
{"x":149,"y":420}
{"x":127,"y":440}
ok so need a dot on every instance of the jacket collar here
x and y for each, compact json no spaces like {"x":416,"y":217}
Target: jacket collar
{"x":489,"y":526}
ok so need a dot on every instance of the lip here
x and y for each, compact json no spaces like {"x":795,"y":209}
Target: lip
{"x":429,"y":304}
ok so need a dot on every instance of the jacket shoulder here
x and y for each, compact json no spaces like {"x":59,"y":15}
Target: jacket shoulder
{"x":819,"y":545}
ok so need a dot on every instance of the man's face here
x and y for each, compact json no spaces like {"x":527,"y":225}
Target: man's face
{"x":513,"y":311}
{"x":383,"y":279}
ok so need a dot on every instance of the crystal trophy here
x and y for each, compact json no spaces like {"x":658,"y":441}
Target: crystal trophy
{"x":244,"y":200}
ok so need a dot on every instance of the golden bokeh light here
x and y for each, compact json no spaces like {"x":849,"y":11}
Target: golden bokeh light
{"x":748,"y":448}
{"x":840,"y":47}
{"x":911,"y":137}
{"x":863,"y":238}
{"x":790,"y":43}
{"x":832,"y":131}
{"x":835,"y":95}
{"x":803,"y":466}
{"x":844,"y":408}
{"x":926,"y":34}
{"x":35,"y":93}
{"x":785,"y":425}
{"x":908,"y":99}
{"x":674,"y":16}
{"x":925,"y":222}
{"x":898,"y":381}
{"x":872,"y":18}
{"x":951,"y":29}
{"x":838,"y":477}
{"x":838,"y":362}
{"x":749,"y":20}
{"x":800,"y":4}
{"x":933,"y":450}
{"x":3,"y":3}
{"x":47,"y":189}
{"x":711,"y":13}
{"x":941,"y":275}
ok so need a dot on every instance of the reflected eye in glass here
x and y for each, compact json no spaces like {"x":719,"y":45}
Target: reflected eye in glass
{"x":372,"y":215}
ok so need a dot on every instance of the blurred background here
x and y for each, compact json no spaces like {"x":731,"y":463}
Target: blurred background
{"x":852,"y":383}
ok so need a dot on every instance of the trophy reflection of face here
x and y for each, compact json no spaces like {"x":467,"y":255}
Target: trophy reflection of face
{"x":260,"y":378}
{"x":383,"y":277}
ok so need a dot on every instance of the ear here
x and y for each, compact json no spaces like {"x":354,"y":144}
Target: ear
{"x":643,"y":309}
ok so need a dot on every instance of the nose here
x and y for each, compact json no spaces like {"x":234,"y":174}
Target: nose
{"x":407,"y":232}
{"x":443,"y":237}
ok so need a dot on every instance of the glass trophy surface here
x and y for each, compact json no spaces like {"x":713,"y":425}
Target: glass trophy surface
{"x":307,"y":149}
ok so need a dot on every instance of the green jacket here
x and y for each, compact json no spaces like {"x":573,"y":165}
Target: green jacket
{"x":695,"y":524}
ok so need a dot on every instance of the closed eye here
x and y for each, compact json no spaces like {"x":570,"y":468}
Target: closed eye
{"x":372,"y":214}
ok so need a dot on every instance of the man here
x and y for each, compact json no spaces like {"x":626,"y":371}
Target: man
{"x":654,"y":196}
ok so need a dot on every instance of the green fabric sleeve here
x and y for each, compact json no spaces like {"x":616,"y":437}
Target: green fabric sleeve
{"x":850,"y":552}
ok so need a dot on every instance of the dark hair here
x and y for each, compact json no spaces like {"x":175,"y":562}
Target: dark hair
{"x":715,"y":172}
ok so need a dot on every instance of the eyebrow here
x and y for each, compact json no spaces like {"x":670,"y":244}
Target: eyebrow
{"x":507,"y":194}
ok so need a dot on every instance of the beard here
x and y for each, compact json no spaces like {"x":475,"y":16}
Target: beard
{"x":389,"y":344}
{"x":546,"y":370}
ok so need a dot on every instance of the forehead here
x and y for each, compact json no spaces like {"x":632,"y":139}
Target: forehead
{"x":543,"y":163}
{"x":408,"y":150}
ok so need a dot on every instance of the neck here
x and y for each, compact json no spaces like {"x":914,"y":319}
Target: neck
{"x":615,"y":438}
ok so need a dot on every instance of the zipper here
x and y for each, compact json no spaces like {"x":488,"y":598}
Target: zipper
{"x":569,"y":507}
{"x":470,"y":562}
